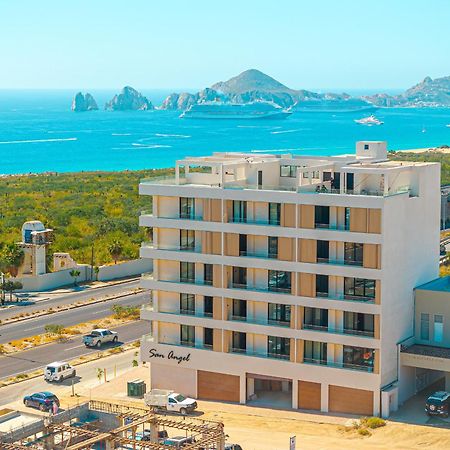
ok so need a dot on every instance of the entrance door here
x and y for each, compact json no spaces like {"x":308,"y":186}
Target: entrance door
{"x":259,"y":178}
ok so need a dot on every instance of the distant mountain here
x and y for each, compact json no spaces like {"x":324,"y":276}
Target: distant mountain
{"x":250,"y":86}
{"x":81,"y":103}
{"x":129,"y":99}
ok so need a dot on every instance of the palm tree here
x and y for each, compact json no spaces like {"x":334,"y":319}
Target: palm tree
{"x":11,"y":259}
{"x":115,"y":248}
{"x":74,"y":274}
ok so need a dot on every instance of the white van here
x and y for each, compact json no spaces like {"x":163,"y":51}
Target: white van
{"x":58,"y":371}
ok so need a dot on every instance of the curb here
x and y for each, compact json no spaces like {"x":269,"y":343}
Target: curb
{"x":68,"y":308}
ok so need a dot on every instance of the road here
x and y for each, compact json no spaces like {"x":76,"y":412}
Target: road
{"x":62,"y":351}
{"x":80,"y":294}
{"x":32,"y":327}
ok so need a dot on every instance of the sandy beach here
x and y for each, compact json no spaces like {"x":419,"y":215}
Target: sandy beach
{"x":443,"y":150}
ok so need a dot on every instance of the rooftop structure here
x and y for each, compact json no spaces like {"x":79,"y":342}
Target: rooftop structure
{"x":286,"y":279}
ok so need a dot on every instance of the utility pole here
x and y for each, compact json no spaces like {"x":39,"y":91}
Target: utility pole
{"x":92,"y":261}
{"x":2,"y":293}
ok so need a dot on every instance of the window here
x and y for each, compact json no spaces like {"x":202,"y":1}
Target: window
{"x":187,"y":333}
{"x":278,"y":347}
{"x":359,"y":288}
{"x":274,"y":213}
{"x":208,"y":337}
{"x":208,"y":274}
{"x":187,"y":239}
{"x":323,"y":251}
{"x":366,"y":146}
{"x":288,"y":171}
{"x":322,"y":285}
{"x":272,"y":247}
{"x":187,"y":208}
{"x":316,"y":319}
{"x":315,"y":352}
{"x":322,"y":216}
{"x":187,"y":272}
{"x":347,"y":219}
{"x":239,"y":211}
{"x":353,"y":253}
{"x":208,"y":306}
{"x":425,"y":326}
{"x":240,"y":277}
{"x":242,"y":244}
{"x":239,"y":310}
{"x":187,"y":304}
{"x":358,"y":358}
{"x":280,"y":314}
{"x":239,"y":342}
{"x":279,"y":281}
{"x":438,"y":333}
{"x":359,"y":323}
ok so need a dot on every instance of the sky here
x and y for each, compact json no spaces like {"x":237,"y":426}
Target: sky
{"x":163,"y":44}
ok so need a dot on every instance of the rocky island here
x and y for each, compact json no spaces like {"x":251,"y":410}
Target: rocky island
{"x":83,"y":102}
{"x":129,"y":99}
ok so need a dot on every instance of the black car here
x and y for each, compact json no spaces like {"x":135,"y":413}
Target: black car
{"x":438,"y":404}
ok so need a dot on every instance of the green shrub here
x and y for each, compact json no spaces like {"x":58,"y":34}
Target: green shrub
{"x":364,"y":432}
{"x":373,"y":422}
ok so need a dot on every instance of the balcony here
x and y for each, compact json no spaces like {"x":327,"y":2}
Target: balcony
{"x":345,"y":297}
{"x":264,"y":322}
{"x":246,"y":220}
{"x":339,"y":365}
{"x":174,"y":248}
{"x":347,"y":331}
{"x":340,"y":262}
{"x":148,"y":212}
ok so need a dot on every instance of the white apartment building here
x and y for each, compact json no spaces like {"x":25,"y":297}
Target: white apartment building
{"x":288,"y":280}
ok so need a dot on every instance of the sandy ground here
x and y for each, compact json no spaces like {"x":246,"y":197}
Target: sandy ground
{"x":445,"y":151}
{"x":256,"y":428}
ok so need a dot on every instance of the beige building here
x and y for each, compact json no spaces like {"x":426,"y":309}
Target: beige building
{"x":288,"y":280}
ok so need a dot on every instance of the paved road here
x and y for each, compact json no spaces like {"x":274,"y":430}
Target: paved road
{"x":37,"y":358}
{"x":82,"y":294}
{"x":32,"y":327}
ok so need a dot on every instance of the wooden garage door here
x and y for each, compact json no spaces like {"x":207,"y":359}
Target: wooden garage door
{"x":309,"y":395}
{"x":217,"y":386}
{"x":348,"y":400}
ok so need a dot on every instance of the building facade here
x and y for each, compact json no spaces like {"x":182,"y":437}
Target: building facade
{"x":288,"y":280}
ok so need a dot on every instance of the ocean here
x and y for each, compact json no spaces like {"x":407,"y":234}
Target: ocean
{"x":39,"y":133}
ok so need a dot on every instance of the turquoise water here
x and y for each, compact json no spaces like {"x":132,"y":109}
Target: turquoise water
{"x":39,"y":133}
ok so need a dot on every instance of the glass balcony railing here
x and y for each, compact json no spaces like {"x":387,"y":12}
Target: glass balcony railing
{"x":148,"y":212}
{"x":349,"y":331}
{"x":340,"y":262}
{"x":339,"y":365}
{"x":254,"y":221}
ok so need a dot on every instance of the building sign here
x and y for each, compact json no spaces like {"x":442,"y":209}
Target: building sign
{"x":155,"y":353}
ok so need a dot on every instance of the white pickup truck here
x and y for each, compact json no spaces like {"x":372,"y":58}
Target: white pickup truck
{"x":98,"y":337}
{"x":162,"y":399}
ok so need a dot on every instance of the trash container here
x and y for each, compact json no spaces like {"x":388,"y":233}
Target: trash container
{"x":136,"y":388}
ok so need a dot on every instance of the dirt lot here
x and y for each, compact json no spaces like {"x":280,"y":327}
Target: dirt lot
{"x":256,"y":428}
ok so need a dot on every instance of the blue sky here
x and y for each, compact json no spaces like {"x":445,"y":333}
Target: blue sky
{"x":193,"y":43}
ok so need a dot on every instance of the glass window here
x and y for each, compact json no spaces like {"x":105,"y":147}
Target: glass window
{"x":272,"y":246}
{"x":288,"y":171}
{"x":187,"y":333}
{"x":239,"y":277}
{"x":359,"y":287}
{"x":242,"y":244}
{"x":315,"y":352}
{"x":187,"y":272}
{"x":279,"y":281}
{"x":208,"y":274}
{"x":239,"y":309}
{"x":274,"y":213}
{"x":322,"y":285}
{"x":187,"y":304}
{"x":187,"y":239}
{"x":208,"y":337}
{"x":424,"y":326}
{"x":239,"y":342}
{"x":278,"y":347}
{"x":358,"y":323}
{"x":187,"y":208}
{"x":347,"y":219}
{"x":279,"y":313}
{"x":353,"y":253}
{"x":315,"y":318}
{"x":208,"y":306}
{"x":323,"y":251}
{"x":358,"y":358}
{"x":322,"y":216}
{"x":239,"y":211}
{"x":438,"y":328}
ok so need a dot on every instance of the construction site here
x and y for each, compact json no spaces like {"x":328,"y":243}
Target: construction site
{"x":106,"y":426}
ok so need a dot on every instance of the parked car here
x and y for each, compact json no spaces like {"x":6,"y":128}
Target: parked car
{"x":59,"y":371}
{"x":162,"y":435}
{"x":233,"y":447}
{"x":41,"y":400}
{"x":438,"y":404}
{"x":98,"y":337}
{"x":170,"y":401}
{"x":178,"y":441}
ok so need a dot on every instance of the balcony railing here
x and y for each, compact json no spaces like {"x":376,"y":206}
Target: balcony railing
{"x":250,"y":254}
{"x":340,"y":262}
{"x":247,"y":220}
{"x":349,"y":331}
{"x":339,"y":365}
{"x":148,"y":212}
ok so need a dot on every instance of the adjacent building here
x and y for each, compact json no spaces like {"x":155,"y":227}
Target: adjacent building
{"x":288,"y":280}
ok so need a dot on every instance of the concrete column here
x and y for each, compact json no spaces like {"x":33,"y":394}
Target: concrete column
{"x":342,"y":183}
{"x":333,"y":216}
{"x":331,"y":320}
{"x":199,"y":337}
{"x":330,"y":353}
{"x":447,"y":381}
{"x":339,"y":321}
{"x":154,"y":431}
{"x":155,"y":205}
{"x":177,"y":174}
{"x":324,"y":397}
{"x":242,"y":389}
{"x":250,"y":387}
{"x":109,"y":445}
{"x":376,"y":403}
{"x":294,"y":394}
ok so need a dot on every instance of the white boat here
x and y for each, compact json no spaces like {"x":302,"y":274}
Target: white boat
{"x":222,"y":110}
{"x":369,"y":121}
